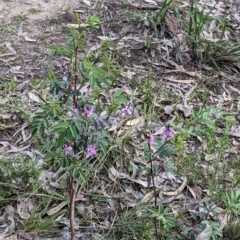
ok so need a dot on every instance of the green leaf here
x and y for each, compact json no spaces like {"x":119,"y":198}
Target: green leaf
{"x":118,"y":93}
{"x":68,"y":134}
{"x":78,"y":125}
{"x":83,"y":175}
{"x":165,"y":150}
{"x":61,"y":125}
{"x":83,"y":119}
{"x":192,"y":237}
{"x":41,"y":129}
{"x":57,"y":130}
{"x":92,"y":20}
{"x":34,"y":131}
{"x":73,"y":131}
{"x":102,"y":146}
{"x":60,"y":140}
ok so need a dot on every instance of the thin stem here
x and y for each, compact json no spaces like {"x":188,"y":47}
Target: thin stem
{"x":72,"y":200}
{"x":75,"y":72}
{"x":72,"y":189}
{"x":155,"y":194}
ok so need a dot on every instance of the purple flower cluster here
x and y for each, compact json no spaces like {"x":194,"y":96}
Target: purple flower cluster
{"x":167,"y":132}
{"x":151,"y":139}
{"x":67,"y":149}
{"x":87,"y":111}
{"x":73,"y":114}
{"x":90,"y":151}
{"x":64,"y":69}
{"x":64,"y":66}
{"x":125,"y":111}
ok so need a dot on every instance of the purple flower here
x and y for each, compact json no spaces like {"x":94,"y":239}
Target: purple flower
{"x":64,"y":66}
{"x":87,"y":111}
{"x":73,"y":114}
{"x":90,"y":151}
{"x":67,"y":149}
{"x":65,"y":78}
{"x":99,"y":121}
{"x":167,"y":132}
{"x":128,"y":110}
{"x":151,"y":139}
{"x":125,"y":110}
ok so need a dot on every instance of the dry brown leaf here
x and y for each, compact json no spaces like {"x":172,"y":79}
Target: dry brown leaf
{"x":18,"y":149}
{"x":185,"y":81}
{"x":225,"y":220}
{"x":151,"y":2}
{"x":147,"y":197}
{"x":128,"y":74}
{"x":192,"y":192}
{"x":187,"y":110}
{"x":182,"y":70}
{"x":179,"y":190}
{"x":12,"y":237}
{"x":34,"y":97}
{"x":6,"y":54}
{"x":172,"y":23}
{"x":56,"y":208}
{"x":169,"y":109}
{"x":202,"y":236}
{"x":107,"y":38}
{"x":10,"y":48}
{"x":189,"y":92}
{"x":63,"y":204}
{"x":72,"y":25}
{"x":27,"y":39}
{"x":87,"y":2}
{"x":137,"y":121}
{"x":25,"y":207}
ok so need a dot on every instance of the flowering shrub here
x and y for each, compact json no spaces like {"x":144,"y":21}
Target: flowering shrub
{"x":76,"y":123}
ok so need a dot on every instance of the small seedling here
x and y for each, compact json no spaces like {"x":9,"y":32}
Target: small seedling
{"x":34,"y":10}
{"x":9,"y":28}
{"x":43,"y":37}
{"x":20,"y":17}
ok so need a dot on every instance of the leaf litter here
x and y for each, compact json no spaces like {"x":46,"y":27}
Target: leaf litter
{"x":129,"y":37}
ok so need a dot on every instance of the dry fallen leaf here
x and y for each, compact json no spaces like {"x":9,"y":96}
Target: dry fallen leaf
{"x":151,"y":2}
{"x":56,"y":208}
{"x":202,"y":236}
{"x":12,"y":237}
{"x":71,"y":25}
{"x":27,"y":39}
{"x":137,"y":121}
{"x":34,"y":97}
{"x":25,"y":207}
{"x":179,"y":190}
{"x":169,"y":109}
{"x":187,"y":81}
{"x":192,"y":192}
{"x":63,"y":204}
{"x":128,"y":74}
{"x":87,"y":2}
{"x":187,"y":110}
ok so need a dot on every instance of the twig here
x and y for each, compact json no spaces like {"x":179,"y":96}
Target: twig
{"x":72,"y":200}
{"x":155,"y":194}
